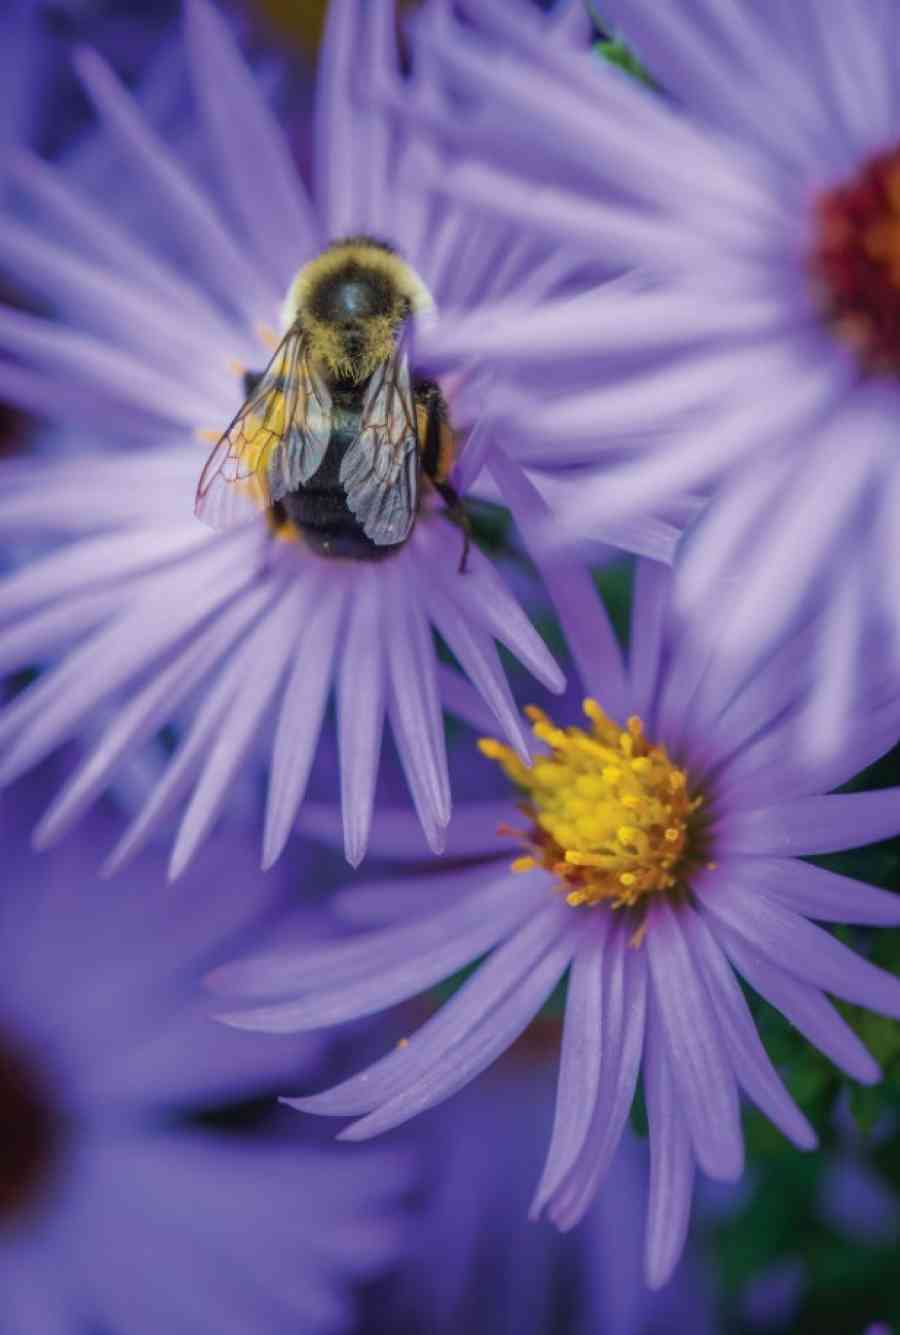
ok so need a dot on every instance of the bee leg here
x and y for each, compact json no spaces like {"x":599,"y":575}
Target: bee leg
{"x":456,"y":513}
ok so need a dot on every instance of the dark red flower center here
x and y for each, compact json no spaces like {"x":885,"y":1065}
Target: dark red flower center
{"x":29,"y":1133}
{"x":856,"y":261}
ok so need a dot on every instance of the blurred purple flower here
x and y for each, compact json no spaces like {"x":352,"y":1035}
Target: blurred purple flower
{"x":112,"y":1213}
{"x":223,"y":633}
{"x":756,"y":351}
{"x":675,"y":835}
{"x":477,"y":1264}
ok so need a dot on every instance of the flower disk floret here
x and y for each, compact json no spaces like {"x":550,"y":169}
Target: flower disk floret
{"x":612,"y":816}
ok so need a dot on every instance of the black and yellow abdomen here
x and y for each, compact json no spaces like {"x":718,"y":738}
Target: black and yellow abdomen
{"x":319,"y":510}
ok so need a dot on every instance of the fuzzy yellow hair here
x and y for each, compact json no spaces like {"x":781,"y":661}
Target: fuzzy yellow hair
{"x":408,"y":291}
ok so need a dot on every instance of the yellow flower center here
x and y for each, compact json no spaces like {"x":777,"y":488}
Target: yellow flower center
{"x":612,"y":815}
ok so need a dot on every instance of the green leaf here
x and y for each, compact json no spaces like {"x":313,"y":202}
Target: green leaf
{"x":617,"y":53}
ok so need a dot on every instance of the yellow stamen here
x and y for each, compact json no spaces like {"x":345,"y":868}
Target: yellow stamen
{"x":612,"y":816}
{"x":523,"y":864}
{"x":267,"y":336}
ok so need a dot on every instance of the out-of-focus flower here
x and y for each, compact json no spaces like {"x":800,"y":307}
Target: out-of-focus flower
{"x":660,"y":854}
{"x":219,"y":634}
{"x":477,"y":1264}
{"x":114,"y":1213}
{"x":759,"y":202}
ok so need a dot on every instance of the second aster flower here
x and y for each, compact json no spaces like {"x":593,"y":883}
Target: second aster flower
{"x":660,"y":846}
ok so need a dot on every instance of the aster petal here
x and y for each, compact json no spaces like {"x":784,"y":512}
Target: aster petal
{"x":477,"y":655}
{"x":797,"y":946}
{"x":460,"y":699}
{"x":630,"y":133}
{"x":741,"y":512}
{"x":397,"y":833}
{"x":811,"y":824}
{"x":480,"y":1047}
{"x":135,"y":318}
{"x":377,"y":903}
{"x":708,"y":65}
{"x":276,"y":644}
{"x":44,"y":397}
{"x":700,"y":1065}
{"x":844,"y":52}
{"x":108,"y":558}
{"x":80,"y":358}
{"x":589,"y":636}
{"x":360,"y":714}
{"x":213,"y":250}
{"x":255,"y":166}
{"x":302,"y":711}
{"x":806,"y":1008}
{"x":146,"y":711}
{"x":750,"y":756}
{"x":375,"y":969}
{"x":472,"y":1008}
{"x":809,"y":511}
{"x":337,"y":185}
{"x":671,"y":1162}
{"x":741,"y":711}
{"x":652,"y":582}
{"x":55,"y":627}
{"x":807,"y":390}
{"x":414,"y":702}
{"x":614,"y":320}
{"x":93,"y":233}
{"x":374,"y":142}
{"x":46,"y":713}
{"x":206,"y":725}
{"x":485,"y":601}
{"x":61,"y":498}
{"x":622,"y":1039}
{"x":814,"y":892}
{"x":636,"y":239}
{"x":580,"y":1061}
{"x":751,"y":1063}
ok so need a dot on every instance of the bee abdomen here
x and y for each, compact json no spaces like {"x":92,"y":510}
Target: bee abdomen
{"x":320,"y":512}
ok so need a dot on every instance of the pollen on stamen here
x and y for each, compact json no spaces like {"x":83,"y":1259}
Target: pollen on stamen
{"x":612,"y":818}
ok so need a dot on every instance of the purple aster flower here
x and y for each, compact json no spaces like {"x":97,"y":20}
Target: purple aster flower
{"x":661,"y":855}
{"x":114,"y":1213}
{"x":757,"y":356}
{"x":142,"y":618}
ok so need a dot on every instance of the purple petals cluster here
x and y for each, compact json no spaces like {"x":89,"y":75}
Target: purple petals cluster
{"x":649,"y":327}
{"x":658,"y":994}
{"x":731,"y":367}
{"x":235,"y":642}
{"x":121,"y":1215}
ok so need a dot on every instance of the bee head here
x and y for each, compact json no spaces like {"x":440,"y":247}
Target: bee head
{"x":352,"y":301}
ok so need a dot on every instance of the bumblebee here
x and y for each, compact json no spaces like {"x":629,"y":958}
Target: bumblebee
{"x":334,"y":435}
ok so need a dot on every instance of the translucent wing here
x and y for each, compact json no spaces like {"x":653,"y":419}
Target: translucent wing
{"x":380,"y":470}
{"x":275,"y":443}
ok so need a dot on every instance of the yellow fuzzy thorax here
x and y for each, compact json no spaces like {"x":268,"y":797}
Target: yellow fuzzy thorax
{"x":410,"y":296}
{"x":612,"y":815}
{"x":327,"y":348}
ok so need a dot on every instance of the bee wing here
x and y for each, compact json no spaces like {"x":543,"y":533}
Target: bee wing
{"x":380,"y":470}
{"x":274,"y":444}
